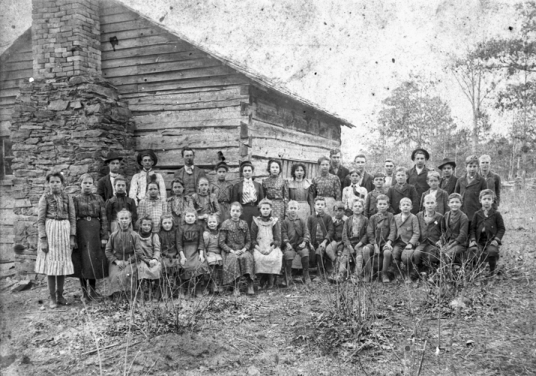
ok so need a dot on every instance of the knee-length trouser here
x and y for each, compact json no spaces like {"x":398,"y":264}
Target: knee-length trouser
{"x":349,"y":254}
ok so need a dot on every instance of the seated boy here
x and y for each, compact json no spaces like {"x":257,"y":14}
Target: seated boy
{"x":402,"y":189}
{"x":372,"y":197}
{"x":430,"y":226}
{"x":321,"y":231}
{"x":381,"y":233}
{"x":441,"y":196}
{"x":454,"y":228}
{"x":295,"y":236}
{"x":487,"y":230}
{"x":336,"y":245}
{"x":407,"y":237}
{"x":354,"y":237}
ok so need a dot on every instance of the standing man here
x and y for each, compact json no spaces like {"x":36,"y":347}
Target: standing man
{"x":389,"y":173}
{"x":189,"y":174}
{"x":492,"y":179}
{"x":336,"y":168}
{"x":138,"y":186}
{"x":105,"y":185}
{"x":367,"y":181}
{"x":448,"y":179}
{"x":418,"y":173}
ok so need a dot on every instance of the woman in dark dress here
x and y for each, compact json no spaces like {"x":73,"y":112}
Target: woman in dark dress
{"x":248,"y":193}
{"x":89,"y":258}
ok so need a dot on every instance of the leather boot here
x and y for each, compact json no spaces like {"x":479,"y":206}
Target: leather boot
{"x":305,"y":270}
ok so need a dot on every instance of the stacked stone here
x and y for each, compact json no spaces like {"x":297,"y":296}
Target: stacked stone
{"x":66,"y":37}
{"x":66,"y":125}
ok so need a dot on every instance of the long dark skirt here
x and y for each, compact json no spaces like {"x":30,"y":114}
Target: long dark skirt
{"x":235,"y":266}
{"x":89,"y":260}
{"x":248,"y":212}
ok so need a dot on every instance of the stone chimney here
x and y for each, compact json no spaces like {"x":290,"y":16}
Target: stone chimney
{"x":68,"y":118}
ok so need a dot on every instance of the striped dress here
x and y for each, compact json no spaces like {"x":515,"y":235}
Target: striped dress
{"x":56,"y":223}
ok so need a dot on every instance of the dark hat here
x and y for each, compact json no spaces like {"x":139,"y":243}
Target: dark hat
{"x":447,"y":161}
{"x":146,"y":153}
{"x":222,"y":165}
{"x":422,"y":151}
{"x":111,"y":156}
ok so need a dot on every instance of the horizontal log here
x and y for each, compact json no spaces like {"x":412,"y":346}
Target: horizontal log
{"x":224,"y":94}
{"x":151,"y":59}
{"x":12,"y":92}
{"x":261,"y":129}
{"x":16,"y":66}
{"x":184,"y":107}
{"x":173,"y":119}
{"x":196,"y":124}
{"x":128,"y":96}
{"x":187,"y":73}
{"x":286,"y":150}
{"x":7,"y":101}
{"x":137,"y":42}
{"x":16,"y":83}
{"x":21,"y":56}
{"x":148,"y":69}
{"x":7,"y":239}
{"x":136,"y":32}
{"x":196,"y":138}
{"x":204,"y":157}
{"x":119,"y":17}
{"x":24,"y":73}
{"x":216,"y":81}
{"x":156,"y":49}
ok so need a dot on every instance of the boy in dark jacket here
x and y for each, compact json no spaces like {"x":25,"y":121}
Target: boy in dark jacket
{"x":372,"y":197}
{"x":454,"y":229}
{"x":402,"y":189}
{"x":430,"y":226}
{"x":487,"y":230}
{"x":321,"y":232}
{"x":295,"y":236}
{"x":469,"y":187}
{"x":381,"y":233}
{"x":354,"y":237}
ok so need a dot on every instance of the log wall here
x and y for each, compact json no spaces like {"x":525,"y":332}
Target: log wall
{"x":179,"y":95}
{"x":15,"y":69}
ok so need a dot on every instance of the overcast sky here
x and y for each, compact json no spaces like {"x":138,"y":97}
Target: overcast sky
{"x":345,"y":55}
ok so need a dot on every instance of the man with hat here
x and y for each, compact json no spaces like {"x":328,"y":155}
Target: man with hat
{"x":189,"y":174}
{"x":105,"y":185}
{"x":138,"y":187}
{"x":448,"y":179}
{"x":418,"y":173}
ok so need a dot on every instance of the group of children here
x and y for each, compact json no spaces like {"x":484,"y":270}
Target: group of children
{"x":170,"y":247}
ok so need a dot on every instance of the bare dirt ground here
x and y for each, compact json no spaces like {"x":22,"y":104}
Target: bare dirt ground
{"x":483,"y":327}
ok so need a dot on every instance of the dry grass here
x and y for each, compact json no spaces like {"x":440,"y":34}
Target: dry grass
{"x":370,"y":329}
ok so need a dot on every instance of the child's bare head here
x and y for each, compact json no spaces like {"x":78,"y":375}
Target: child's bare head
{"x":212,"y":222}
{"x":487,"y":198}
{"x":146,"y":224}
{"x":124,"y":218}
{"x":120,"y":184}
{"x":190,"y":215}
{"x":166,"y":222}
{"x":430,"y":202}
{"x":292,"y":208}
{"x":405,"y":205}
{"x":177,"y":187}
{"x":382,"y":203}
{"x":401,"y":175}
{"x":432,"y":178}
{"x":471,"y":165}
{"x":338,"y":209}
{"x":265,"y":207}
{"x":455,"y":202}
{"x":358,"y":206}
{"x":235,"y":211}
{"x":320,"y":204}
{"x":379,"y":180}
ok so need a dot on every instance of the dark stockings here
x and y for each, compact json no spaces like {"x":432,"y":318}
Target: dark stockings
{"x":55,"y":284}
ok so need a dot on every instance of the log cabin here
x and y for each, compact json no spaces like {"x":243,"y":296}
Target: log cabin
{"x":142,"y":87}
